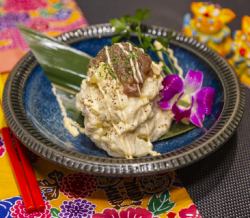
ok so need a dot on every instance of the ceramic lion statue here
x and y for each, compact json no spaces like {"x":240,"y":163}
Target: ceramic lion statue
{"x":209,"y":25}
{"x":241,"y":51}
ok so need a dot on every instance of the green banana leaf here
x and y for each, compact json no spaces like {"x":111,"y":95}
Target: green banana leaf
{"x":66,"y":67}
{"x":177,"y":129}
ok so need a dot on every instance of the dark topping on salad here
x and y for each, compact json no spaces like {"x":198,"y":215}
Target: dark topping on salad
{"x":131,"y":67}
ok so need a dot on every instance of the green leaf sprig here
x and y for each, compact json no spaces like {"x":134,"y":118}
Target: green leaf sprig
{"x":127,"y":25}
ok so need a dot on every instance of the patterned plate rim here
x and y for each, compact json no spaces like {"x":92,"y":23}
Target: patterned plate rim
{"x":219,"y":133}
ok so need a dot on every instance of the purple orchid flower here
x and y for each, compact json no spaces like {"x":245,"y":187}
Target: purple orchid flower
{"x":186,"y":98}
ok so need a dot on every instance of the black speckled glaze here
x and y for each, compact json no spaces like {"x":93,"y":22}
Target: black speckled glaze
{"x":222,"y":129}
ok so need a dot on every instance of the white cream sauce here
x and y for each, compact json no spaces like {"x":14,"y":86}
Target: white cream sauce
{"x":72,"y":126}
{"x":135,"y":67}
{"x":170,"y":52}
{"x":137,"y":70}
{"x":108,"y":57}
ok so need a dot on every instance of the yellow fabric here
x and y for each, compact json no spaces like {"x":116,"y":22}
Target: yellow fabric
{"x":3,"y":78}
{"x":65,"y":190}
{"x":178,"y":194}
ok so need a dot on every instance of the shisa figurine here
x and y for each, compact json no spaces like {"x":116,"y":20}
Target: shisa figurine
{"x":241,"y":51}
{"x":209,"y":25}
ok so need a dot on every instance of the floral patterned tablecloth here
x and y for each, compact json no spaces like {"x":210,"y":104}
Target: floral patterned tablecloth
{"x":68,"y":193}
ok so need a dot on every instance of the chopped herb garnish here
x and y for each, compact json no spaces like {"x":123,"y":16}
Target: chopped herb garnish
{"x":109,"y":70}
{"x":132,"y":55}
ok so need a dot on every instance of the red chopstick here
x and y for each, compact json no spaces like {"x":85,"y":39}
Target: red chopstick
{"x":24,"y":173}
{"x":18,"y":170}
{"x":30,"y":175}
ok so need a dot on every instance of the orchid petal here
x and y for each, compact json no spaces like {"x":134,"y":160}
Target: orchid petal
{"x":164,"y":105}
{"x":202,"y":106}
{"x":193,"y":81}
{"x":172,"y":85}
{"x":197,"y":117}
{"x":181,"y":112}
{"x":205,"y":98}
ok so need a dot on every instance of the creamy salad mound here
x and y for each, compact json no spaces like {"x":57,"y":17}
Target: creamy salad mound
{"x":119,"y":102}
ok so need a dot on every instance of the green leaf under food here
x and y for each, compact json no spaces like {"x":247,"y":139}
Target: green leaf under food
{"x":65,"y":66}
{"x":177,"y":129}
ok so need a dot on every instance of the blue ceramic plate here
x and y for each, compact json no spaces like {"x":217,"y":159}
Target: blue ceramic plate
{"x":34,"y":115}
